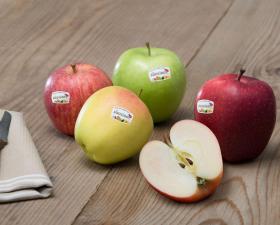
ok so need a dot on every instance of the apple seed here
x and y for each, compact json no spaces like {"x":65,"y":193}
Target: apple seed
{"x":189,"y":161}
{"x":182,"y":165}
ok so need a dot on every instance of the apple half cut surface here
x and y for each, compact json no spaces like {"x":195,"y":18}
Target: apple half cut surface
{"x":188,"y":167}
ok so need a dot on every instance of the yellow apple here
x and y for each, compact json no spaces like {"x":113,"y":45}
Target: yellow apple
{"x":113,"y":125}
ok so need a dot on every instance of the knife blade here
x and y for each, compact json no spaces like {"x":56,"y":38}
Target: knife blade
{"x":4,"y":129}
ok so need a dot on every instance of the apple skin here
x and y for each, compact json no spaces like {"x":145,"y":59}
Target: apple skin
{"x":80,"y":84}
{"x":201,"y":193}
{"x":106,"y":140}
{"x":162,"y":97}
{"x":244,"y":115}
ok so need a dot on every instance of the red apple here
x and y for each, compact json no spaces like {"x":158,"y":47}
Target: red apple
{"x":67,"y":89}
{"x":188,"y":167}
{"x":241,"y":111}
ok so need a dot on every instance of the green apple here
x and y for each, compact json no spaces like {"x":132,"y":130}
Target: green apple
{"x":113,"y":125}
{"x":157,"y":75}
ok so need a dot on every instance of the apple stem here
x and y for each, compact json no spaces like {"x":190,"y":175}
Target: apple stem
{"x":149,"y":48}
{"x":242,"y":71}
{"x":140,"y":92}
{"x":201,"y":181}
{"x":74,"y":68}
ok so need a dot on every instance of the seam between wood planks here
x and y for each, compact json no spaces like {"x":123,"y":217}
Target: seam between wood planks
{"x":98,"y":186}
{"x":210,"y":33}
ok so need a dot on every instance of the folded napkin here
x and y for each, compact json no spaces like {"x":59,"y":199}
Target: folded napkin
{"x":22,"y":174}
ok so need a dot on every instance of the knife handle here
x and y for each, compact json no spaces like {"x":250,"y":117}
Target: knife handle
{"x":4,"y":128}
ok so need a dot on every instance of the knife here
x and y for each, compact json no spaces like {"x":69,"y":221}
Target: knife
{"x":4,"y":129}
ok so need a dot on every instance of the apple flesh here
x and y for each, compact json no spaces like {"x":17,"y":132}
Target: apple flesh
{"x":113,"y":125}
{"x":158,"y":74}
{"x":67,"y":89}
{"x":242,"y":115}
{"x":189,"y":167}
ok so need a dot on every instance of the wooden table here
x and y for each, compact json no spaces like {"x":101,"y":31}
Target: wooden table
{"x":211,"y":37}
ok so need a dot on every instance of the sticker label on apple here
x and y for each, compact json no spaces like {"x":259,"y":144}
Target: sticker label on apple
{"x":60,"y":97}
{"x":160,"y":74}
{"x":205,"y":106}
{"x":122,"y":115}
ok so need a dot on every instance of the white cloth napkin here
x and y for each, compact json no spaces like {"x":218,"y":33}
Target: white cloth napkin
{"x":22,"y":174}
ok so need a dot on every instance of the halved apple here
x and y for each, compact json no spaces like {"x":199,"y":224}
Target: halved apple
{"x":188,"y":167}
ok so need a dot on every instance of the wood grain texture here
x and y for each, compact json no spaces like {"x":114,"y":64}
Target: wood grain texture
{"x":39,"y":36}
{"x":248,"y":36}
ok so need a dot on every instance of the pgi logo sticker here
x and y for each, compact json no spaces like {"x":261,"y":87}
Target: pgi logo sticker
{"x":205,"y":106}
{"x":60,"y":97}
{"x":122,"y":115}
{"x":160,"y":74}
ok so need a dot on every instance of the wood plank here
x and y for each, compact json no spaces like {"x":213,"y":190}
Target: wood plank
{"x":42,"y":35}
{"x":247,"y":36}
